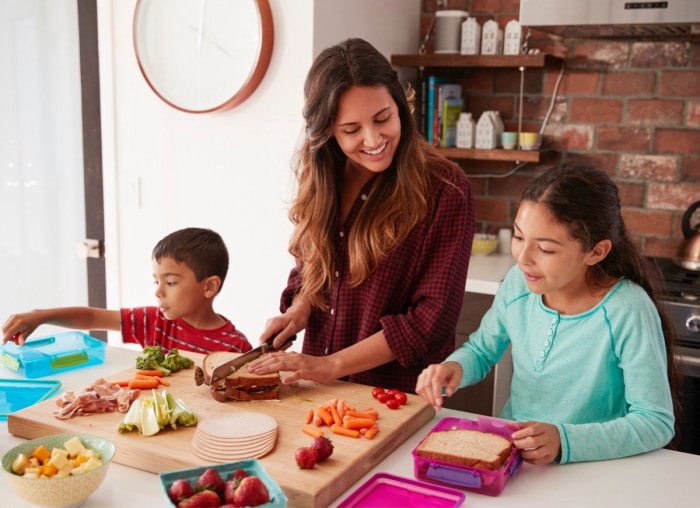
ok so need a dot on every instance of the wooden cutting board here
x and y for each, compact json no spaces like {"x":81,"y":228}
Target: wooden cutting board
{"x":170,"y":449}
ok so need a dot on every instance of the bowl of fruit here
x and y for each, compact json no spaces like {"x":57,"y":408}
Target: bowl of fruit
{"x":58,"y":470}
{"x":243,"y":483}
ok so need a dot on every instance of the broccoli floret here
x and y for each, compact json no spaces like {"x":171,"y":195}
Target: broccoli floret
{"x":174,"y":361}
{"x":153,"y":357}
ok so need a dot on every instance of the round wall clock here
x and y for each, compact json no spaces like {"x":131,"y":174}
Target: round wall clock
{"x":201,"y":56}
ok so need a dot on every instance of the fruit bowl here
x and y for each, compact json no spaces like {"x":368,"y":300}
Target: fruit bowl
{"x":64,"y":492}
{"x":253,"y":467}
{"x":484,"y":244}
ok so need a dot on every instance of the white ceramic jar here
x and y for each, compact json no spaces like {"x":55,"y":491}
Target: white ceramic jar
{"x":465,"y":131}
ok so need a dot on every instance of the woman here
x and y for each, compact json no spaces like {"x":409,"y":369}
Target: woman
{"x":593,"y":365}
{"x":383,"y":233}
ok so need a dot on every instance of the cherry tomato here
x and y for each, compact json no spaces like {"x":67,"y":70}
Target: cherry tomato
{"x":376,"y":391}
{"x":393,"y":403}
{"x":384,"y":397}
{"x":401,"y":397}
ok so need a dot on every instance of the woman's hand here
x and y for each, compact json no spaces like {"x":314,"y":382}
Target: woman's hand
{"x":539,"y":442}
{"x":437,"y":380}
{"x":288,"y":324}
{"x":314,"y":368}
{"x":20,"y":326}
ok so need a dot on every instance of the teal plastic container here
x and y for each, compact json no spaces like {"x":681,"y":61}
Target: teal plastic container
{"x":53,"y":354}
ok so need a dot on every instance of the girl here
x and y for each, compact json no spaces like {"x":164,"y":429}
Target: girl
{"x":382,"y":237}
{"x":590,"y":342}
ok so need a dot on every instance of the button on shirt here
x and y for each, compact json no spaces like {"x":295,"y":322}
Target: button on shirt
{"x":415,"y":294}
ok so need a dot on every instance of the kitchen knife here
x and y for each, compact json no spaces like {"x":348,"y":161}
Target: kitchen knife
{"x":228,"y":368}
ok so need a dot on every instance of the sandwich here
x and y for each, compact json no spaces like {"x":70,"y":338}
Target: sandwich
{"x":472,"y":448}
{"x":241,"y":385}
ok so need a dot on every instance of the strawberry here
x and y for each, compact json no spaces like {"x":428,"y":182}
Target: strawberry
{"x":306,"y":457}
{"x":180,"y":489}
{"x":238,"y":475}
{"x":323,"y":447}
{"x":210,"y":480}
{"x":202,"y":499}
{"x":251,"y":492}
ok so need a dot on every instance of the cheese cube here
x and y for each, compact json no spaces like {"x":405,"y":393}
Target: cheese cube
{"x":59,"y":460}
{"x":74,"y":446}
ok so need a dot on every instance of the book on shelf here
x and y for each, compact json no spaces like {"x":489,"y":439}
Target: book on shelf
{"x":451,"y":108}
{"x":430,"y":106}
{"x":444,"y":91}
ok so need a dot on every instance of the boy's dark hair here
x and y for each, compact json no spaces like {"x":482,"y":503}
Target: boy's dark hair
{"x":203,"y":250}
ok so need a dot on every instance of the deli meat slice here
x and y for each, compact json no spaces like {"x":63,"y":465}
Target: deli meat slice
{"x":101,"y":397}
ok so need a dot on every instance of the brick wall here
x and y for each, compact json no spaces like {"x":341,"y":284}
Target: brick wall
{"x":630,"y":107}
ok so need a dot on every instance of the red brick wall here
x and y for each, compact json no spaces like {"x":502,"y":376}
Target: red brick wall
{"x":630,"y":107}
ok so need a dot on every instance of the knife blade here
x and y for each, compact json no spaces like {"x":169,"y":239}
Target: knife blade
{"x":228,"y":368}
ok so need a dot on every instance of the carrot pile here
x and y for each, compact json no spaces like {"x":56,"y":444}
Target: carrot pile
{"x":144,"y":380}
{"x":342,"y":418}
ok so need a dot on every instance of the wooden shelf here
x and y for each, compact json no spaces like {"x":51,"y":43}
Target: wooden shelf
{"x":492,"y":155}
{"x":464,"y":61}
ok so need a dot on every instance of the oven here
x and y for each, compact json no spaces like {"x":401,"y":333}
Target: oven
{"x":681,"y":296}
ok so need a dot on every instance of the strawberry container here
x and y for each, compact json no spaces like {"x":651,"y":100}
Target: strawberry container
{"x":482,"y":481}
{"x":252,"y":466}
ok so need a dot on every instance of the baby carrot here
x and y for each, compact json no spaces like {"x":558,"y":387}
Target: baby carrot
{"x":317,"y":420}
{"x":340,"y":406}
{"x":325,"y":415}
{"x":311,"y":431}
{"x":309,"y":416}
{"x":143,"y":384}
{"x":358,"y":423}
{"x":342,"y":431}
{"x":336,"y":417}
{"x":122,"y":382}
{"x":149,"y":372}
{"x":367,"y":413}
{"x":371,"y":432}
{"x":162,"y":381}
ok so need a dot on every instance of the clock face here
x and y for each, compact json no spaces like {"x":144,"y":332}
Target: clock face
{"x":203,"y":55}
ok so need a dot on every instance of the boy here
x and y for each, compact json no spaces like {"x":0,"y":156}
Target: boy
{"x":189,"y":268}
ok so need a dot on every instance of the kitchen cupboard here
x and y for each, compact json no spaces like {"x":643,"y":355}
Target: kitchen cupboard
{"x":446,"y":62}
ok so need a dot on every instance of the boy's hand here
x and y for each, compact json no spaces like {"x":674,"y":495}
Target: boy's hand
{"x":18,"y":327}
{"x":540,"y":442}
{"x":439,"y":380}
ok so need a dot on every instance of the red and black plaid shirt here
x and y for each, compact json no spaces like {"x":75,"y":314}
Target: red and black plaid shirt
{"x":415,"y":295}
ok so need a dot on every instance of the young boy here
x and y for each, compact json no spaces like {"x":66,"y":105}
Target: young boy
{"x":189,"y":268}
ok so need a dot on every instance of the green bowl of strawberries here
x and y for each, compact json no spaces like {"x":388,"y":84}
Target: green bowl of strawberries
{"x":242,"y":483}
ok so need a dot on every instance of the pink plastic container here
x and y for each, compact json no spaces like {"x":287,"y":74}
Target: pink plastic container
{"x":482,"y":481}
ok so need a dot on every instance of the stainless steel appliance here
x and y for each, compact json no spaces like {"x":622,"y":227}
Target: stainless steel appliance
{"x":681,"y":295}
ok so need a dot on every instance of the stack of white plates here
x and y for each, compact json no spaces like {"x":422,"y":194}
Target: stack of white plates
{"x":235,"y":436}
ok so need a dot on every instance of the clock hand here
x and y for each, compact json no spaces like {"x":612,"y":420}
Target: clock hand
{"x":200,"y":32}
{"x":211,"y":41}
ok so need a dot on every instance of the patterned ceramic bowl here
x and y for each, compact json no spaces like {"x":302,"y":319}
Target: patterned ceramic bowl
{"x":64,"y":492}
{"x":484,"y":244}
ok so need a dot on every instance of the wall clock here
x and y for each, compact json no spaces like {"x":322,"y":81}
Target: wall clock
{"x":201,"y":56}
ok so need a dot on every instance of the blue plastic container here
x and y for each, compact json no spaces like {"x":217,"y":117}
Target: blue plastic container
{"x":45,"y":356}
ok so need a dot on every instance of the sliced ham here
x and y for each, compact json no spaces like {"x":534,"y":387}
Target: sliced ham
{"x":101,"y":397}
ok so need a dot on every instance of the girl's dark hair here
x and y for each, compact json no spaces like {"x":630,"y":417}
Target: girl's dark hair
{"x":203,"y":250}
{"x":586,"y":201}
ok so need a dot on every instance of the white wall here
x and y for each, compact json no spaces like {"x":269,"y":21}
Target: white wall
{"x":230,"y":171}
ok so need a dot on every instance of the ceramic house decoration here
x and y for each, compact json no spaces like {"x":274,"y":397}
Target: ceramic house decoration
{"x":512,"y":38}
{"x":471,"y":37}
{"x":465,"y":131}
{"x":491,"y":38}
{"x":486,"y":132}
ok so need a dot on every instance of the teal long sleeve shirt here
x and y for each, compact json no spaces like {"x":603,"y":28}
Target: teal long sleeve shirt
{"x":599,"y":376}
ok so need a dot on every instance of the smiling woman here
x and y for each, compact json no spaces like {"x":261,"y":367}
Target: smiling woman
{"x":203,"y":56}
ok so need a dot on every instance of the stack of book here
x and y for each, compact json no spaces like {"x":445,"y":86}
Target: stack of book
{"x":441,"y":104}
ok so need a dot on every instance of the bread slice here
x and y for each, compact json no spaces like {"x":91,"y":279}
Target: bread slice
{"x":242,"y":384}
{"x":472,"y":448}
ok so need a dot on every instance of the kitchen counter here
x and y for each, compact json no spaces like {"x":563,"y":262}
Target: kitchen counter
{"x":660,"y":478}
{"x":487,"y":272}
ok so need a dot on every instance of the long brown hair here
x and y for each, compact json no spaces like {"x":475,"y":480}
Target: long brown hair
{"x":400,"y":197}
{"x":586,"y":201}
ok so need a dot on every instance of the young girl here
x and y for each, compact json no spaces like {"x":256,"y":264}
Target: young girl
{"x":591,"y":345}
{"x":382,"y":236}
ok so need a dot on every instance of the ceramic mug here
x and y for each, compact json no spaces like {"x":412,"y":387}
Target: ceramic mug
{"x":509,"y":140}
{"x":529,"y":140}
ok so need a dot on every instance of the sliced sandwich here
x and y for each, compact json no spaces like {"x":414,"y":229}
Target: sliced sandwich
{"x":472,"y":448}
{"x":242,"y":384}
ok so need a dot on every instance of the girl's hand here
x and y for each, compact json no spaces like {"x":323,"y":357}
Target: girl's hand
{"x":18,"y":327}
{"x":320,"y":369}
{"x":438,"y":380}
{"x":539,"y":442}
